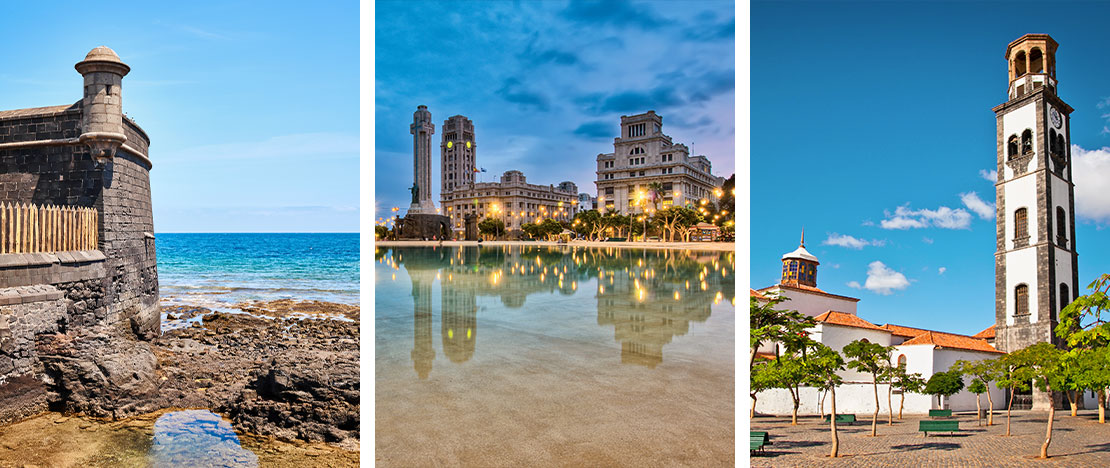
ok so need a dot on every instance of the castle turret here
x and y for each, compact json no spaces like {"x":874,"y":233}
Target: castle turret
{"x":102,"y":113}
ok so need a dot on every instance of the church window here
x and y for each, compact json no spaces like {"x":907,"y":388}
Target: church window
{"x":1027,"y":141}
{"x":1019,"y":64}
{"x":1061,"y":227}
{"x":1065,"y":298}
{"x":1021,"y":300}
{"x":902,"y":360}
{"x":1036,"y":61}
{"x":1021,"y":224}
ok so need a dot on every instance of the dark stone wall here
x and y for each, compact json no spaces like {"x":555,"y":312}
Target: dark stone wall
{"x":51,"y":175}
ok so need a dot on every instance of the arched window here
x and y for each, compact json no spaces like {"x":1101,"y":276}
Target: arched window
{"x":1027,"y":141}
{"x":864,"y":340}
{"x":1019,"y":64}
{"x":1021,"y":300}
{"x":1021,"y":224}
{"x":1060,"y":145}
{"x":1065,"y":298}
{"x":1012,"y":146}
{"x":1052,"y":142}
{"x":1061,"y":227}
{"x":902,"y":360}
{"x":1036,"y":61}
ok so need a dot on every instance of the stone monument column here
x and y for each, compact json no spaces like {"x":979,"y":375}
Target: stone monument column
{"x":422,"y":129}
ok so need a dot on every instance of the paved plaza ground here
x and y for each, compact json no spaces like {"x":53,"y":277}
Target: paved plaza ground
{"x":1076,"y":442}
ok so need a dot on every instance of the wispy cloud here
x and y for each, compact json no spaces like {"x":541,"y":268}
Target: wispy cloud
{"x":943,"y":217}
{"x":202,"y":33}
{"x":1092,"y":183}
{"x":620,"y":13}
{"x":972,"y":201}
{"x":991,"y":175}
{"x":941,"y":270}
{"x":883,"y":280}
{"x":1105,"y":105}
{"x":844,"y":240}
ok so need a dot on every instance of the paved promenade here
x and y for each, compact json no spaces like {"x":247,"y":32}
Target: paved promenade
{"x":1076,"y":442}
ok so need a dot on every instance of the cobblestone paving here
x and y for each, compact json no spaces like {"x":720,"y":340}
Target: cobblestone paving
{"x":1076,"y":442}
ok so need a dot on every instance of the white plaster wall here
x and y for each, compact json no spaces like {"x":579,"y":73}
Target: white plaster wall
{"x":836,"y":337}
{"x":1014,"y":123}
{"x":816,"y":304}
{"x":1021,"y":193}
{"x":965,"y":400}
{"x":853,"y":398}
{"x":1021,"y":267}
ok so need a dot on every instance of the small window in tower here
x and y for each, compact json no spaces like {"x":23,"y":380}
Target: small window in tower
{"x":1065,"y":298}
{"x":1021,"y":225}
{"x":1061,"y":227}
{"x":1021,"y":300}
{"x":1027,"y":141}
{"x":1012,"y":146}
{"x":1019,"y":64}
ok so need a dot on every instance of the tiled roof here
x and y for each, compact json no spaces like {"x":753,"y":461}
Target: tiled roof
{"x":766,"y":356}
{"x":845,"y":319}
{"x":34,"y":111}
{"x":948,"y":340}
{"x":987,"y":334}
{"x":910,"y":332}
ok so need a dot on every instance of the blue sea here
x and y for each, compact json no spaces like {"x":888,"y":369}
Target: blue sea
{"x":219,"y":270}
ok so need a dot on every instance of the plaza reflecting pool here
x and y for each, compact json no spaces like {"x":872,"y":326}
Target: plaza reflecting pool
{"x":554,"y":356}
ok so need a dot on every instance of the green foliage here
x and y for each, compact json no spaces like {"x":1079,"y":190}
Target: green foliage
{"x":824,"y":365}
{"x":986,"y":370}
{"x":491,"y":226}
{"x":944,"y":383}
{"x":532,"y":230}
{"x":867,"y":357}
{"x":1042,"y":364}
{"x":549,"y":227}
{"x":380,"y":232}
{"x":769,"y":325}
{"x":977,"y":387}
{"x":908,"y":383}
{"x":588,"y":223}
{"x":676,"y":219}
{"x":1083,"y":323}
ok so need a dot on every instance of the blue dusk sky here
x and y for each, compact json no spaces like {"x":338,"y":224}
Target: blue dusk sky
{"x":872,"y":129}
{"x":252,"y":108}
{"x":545,"y":83}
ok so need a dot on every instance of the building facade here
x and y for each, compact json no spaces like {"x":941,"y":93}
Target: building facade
{"x":643,"y":155}
{"x":1036,"y":263}
{"x":511,"y":200}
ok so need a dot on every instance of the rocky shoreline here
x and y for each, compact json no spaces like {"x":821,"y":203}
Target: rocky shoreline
{"x":286,"y":369}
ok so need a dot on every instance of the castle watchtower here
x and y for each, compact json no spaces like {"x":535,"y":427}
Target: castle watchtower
{"x":102,"y":122}
{"x":1032,"y":60}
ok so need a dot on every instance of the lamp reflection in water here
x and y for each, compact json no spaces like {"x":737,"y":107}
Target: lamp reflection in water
{"x":644,"y":307}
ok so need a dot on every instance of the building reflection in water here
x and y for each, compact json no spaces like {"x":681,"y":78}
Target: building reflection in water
{"x":647,"y":296}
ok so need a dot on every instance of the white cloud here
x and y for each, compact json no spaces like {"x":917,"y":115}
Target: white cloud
{"x":1105,"y":104}
{"x":941,"y":270}
{"x":927,"y":240}
{"x":991,"y":176}
{"x":943,"y":217}
{"x":851,"y":242}
{"x":974,"y":203}
{"x":1091,"y":171}
{"x":883,"y":280}
{"x":854,"y":285}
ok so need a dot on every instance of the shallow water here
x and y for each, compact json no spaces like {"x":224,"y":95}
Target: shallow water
{"x":184,"y":438}
{"x":562,"y":355}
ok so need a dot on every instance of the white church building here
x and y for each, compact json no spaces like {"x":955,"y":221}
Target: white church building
{"x":1036,"y":261}
{"x":922,"y":351}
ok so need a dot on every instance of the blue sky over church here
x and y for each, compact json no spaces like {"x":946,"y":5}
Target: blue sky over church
{"x":872,"y":129}
{"x":545,"y":83}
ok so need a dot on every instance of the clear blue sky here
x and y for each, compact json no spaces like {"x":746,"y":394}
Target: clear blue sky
{"x":252,"y":108}
{"x":546,"y":83}
{"x":861,"y":108}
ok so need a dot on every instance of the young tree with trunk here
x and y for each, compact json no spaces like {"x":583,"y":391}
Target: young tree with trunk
{"x":987,"y":371}
{"x":1085,"y":329}
{"x":907,"y":383}
{"x":864,"y":356}
{"x":1094,"y":373}
{"x":1014,"y":374}
{"x":1044,"y":363}
{"x":771,"y":325}
{"x":944,"y":384}
{"x":762,"y":378}
{"x":825,"y":365}
{"x":790,"y":371}
{"x":978,"y":388}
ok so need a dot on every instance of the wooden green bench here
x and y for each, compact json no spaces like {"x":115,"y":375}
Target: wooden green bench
{"x":759,"y":439}
{"x":842,"y":418}
{"x":938,"y":426}
{"x":940,"y":413}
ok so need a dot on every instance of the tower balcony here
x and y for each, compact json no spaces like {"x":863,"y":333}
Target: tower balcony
{"x":1028,"y":83}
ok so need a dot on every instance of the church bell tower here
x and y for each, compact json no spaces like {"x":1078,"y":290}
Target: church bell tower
{"x":1036,"y":272}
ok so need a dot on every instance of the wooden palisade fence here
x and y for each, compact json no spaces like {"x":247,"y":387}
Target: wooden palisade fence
{"x":28,"y":228}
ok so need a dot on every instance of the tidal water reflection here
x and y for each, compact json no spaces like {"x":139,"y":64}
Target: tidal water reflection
{"x":602,"y":324}
{"x":197,"y":438}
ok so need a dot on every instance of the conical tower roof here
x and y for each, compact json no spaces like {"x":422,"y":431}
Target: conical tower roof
{"x":801,"y":251}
